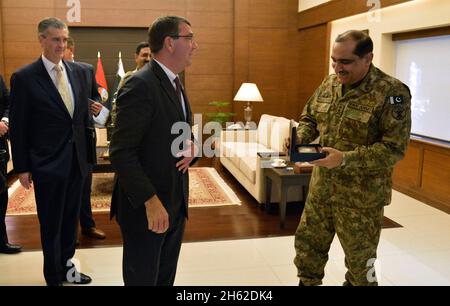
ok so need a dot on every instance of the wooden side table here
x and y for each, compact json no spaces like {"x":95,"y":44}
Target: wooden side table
{"x":283,"y":179}
{"x":103,"y":164}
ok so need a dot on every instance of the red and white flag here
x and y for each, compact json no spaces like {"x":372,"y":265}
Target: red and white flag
{"x":101,"y":80}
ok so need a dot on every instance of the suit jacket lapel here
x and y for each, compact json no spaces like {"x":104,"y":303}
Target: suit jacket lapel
{"x":168,"y":88}
{"x":47,"y":84}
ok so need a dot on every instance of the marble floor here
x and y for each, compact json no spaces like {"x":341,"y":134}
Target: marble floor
{"x":416,"y":254}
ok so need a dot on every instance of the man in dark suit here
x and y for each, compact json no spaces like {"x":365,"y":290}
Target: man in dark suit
{"x":99,"y":116}
{"x":150,"y":197}
{"x":5,"y":247}
{"x":49,"y":121}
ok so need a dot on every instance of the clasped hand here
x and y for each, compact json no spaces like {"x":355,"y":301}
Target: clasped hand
{"x":332,"y":160}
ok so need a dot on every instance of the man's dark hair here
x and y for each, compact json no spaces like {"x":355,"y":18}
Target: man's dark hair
{"x":70,"y":43}
{"x":142,"y":45}
{"x":161,"y":28}
{"x":364,"y":44}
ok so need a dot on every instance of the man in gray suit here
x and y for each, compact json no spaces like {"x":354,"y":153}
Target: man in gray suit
{"x":150,"y":197}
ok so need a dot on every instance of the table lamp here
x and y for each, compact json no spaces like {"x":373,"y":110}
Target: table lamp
{"x":248,"y":93}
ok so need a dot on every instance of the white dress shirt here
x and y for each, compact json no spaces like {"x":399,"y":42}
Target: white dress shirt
{"x":172,"y":76}
{"x":49,"y":66}
{"x":100,"y":120}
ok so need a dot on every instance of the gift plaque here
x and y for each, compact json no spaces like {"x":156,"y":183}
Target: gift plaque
{"x":304,"y":152}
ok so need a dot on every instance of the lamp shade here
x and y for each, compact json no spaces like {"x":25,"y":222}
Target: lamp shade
{"x":249,"y":93}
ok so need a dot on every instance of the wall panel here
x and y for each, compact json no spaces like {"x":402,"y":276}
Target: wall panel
{"x":239,"y":41}
{"x":212,"y":22}
{"x":266,"y":53}
{"x":408,"y":171}
{"x":424,"y":173}
{"x":156,"y":5}
{"x":269,"y":14}
{"x":436,"y":175}
{"x":313,"y":55}
{"x":2,"y":61}
{"x":20,"y":33}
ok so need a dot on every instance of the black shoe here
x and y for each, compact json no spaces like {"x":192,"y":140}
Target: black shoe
{"x":54,"y":284}
{"x":93,"y":232}
{"x":10,"y":249}
{"x":77,"y":278}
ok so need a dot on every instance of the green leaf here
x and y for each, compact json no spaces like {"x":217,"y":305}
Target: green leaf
{"x":219,"y":103}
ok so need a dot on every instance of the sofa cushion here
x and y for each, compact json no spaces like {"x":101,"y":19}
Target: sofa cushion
{"x":244,"y":156}
{"x":233,"y":150}
{"x":279,"y":132}
{"x":264,"y":128}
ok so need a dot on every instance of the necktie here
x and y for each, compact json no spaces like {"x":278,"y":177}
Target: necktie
{"x":63,"y":89}
{"x":179,"y":95}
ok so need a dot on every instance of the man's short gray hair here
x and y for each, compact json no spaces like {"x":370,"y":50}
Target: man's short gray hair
{"x":51,"y":22}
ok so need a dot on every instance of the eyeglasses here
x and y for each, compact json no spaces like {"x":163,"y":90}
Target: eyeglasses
{"x":188,"y":37}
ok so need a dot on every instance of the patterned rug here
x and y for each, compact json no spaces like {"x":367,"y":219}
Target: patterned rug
{"x":206,"y":189}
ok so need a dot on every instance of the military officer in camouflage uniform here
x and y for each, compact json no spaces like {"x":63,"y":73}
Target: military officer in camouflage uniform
{"x":142,"y":57}
{"x":363,"y":118}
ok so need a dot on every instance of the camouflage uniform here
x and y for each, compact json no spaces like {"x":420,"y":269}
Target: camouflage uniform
{"x":371,"y":125}
{"x":112,"y":117}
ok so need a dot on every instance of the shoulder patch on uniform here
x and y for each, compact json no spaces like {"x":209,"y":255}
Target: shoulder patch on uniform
{"x":398,"y":111}
{"x":393,"y":100}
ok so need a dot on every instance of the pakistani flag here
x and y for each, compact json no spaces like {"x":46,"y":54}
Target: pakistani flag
{"x":119,"y":75}
{"x":112,"y":102}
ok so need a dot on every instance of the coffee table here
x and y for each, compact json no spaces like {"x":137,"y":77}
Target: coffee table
{"x":284,"y":178}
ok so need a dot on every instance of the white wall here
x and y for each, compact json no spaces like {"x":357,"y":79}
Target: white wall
{"x":408,"y":16}
{"x":423,"y":64}
{"x":303,"y":5}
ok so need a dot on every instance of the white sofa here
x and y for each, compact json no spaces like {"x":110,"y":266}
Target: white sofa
{"x":239,"y":154}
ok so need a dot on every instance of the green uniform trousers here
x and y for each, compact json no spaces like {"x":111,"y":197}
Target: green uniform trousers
{"x":358,"y":230}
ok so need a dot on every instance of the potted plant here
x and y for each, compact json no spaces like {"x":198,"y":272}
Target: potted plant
{"x":220,"y":115}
